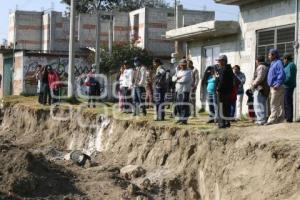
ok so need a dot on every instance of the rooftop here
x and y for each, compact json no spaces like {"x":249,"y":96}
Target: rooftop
{"x":204,"y":30}
{"x":234,"y":2}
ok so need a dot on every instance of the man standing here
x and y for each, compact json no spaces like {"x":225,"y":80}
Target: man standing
{"x":195,"y":82}
{"x":183,"y":79}
{"x":139,"y":85}
{"x":276,"y":77}
{"x":160,"y":89}
{"x":290,"y":70}
{"x":93,"y":88}
{"x":261,"y":91}
{"x":224,"y":87}
{"x":240,"y":76}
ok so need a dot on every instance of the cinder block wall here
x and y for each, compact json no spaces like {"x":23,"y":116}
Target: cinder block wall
{"x":139,"y":39}
{"x":29,"y":29}
{"x":191,"y":17}
{"x":121,"y":28}
{"x":87,"y":29}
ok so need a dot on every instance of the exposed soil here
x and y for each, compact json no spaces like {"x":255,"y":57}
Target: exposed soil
{"x":254,"y":163}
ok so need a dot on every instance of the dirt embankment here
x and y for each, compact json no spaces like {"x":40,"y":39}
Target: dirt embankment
{"x":235,"y":164}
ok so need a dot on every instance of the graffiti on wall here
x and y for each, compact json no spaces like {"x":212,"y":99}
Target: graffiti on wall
{"x":60,"y":65}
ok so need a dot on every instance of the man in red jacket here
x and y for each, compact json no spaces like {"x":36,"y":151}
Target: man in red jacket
{"x":53,"y":79}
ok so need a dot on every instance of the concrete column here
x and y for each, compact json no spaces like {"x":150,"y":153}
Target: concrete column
{"x":71,"y":74}
{"x":98,"y":40}
{"x":297,"y":61}
{"x":179,"y":46}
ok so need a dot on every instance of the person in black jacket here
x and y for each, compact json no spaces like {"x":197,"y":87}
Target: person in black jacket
{"x":224,"y":88}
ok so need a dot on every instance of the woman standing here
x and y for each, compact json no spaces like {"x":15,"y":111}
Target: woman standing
{"x":120,"y":87}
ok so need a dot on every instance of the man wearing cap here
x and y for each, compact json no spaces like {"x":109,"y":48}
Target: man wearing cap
{"x":276,"y":78}
{"x":224,"y":88}
{"x":139,"y":85}
{"x":290,"y":70}
{"x":183,"y":79}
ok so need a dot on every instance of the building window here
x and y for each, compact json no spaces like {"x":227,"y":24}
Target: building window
{"x":281,"y":38}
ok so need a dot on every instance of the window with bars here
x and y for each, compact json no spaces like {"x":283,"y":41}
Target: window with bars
{"x":281,"y":38}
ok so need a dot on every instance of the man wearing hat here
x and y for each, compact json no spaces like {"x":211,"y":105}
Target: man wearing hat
{"x":276,"y":78}
{"x":183,"y":79}
{"x":224,"y":88}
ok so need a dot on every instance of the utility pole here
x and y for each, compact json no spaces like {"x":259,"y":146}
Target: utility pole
{"x":72,"y":51}
{"x":111,"y":32}
{"x":98,"y":40}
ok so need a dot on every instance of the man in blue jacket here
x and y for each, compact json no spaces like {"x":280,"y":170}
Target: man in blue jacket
{"x":276,"y":78}
{"x":290,"y":70}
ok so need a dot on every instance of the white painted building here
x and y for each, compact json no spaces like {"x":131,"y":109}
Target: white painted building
{"x":264,"y":24}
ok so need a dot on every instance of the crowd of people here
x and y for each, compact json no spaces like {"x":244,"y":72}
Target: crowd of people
{"x":50,"y":86}
{"x":270,"y":95}
{"x":142,"y":87}
{"x":47,"y":87}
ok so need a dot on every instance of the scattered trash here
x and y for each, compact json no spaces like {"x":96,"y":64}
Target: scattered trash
{"x":79,"y":158}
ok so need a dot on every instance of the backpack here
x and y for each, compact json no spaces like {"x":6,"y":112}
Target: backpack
{"x":161,"y":79}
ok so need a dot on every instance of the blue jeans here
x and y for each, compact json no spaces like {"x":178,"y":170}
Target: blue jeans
{"x":139,"y":100}
{"x":159,"y":98}
{"x":260,"y":107}
{"x":212,"y":105}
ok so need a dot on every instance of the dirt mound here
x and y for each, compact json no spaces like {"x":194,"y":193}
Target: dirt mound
{"x":241,"y":163}
{"x":25,"y":174}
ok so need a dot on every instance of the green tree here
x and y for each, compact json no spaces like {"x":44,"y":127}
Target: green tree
{"x":120,"y":53}
{"x":89,"y":6}
{"x":130,"y":5}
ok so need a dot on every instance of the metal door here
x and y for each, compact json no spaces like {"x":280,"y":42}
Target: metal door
{"x":7,"y":76}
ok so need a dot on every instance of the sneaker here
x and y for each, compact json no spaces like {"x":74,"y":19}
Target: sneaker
{"x":183,"y":123}
{"x":260,"y":123}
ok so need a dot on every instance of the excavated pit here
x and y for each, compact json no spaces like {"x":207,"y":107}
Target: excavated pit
{"x":254,"y":163}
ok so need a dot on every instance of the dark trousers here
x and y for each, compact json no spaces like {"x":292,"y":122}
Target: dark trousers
{"x":159,"y":97}
{"x":224,"y":111}
{"x":40,"y":97}
{"x":183,"y":106}
{"x":139,"y":96}
{"x":46,"y":94}
{"x":54,"y":96}
{"x":289,"y":104}
{"x":126,"y":92}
